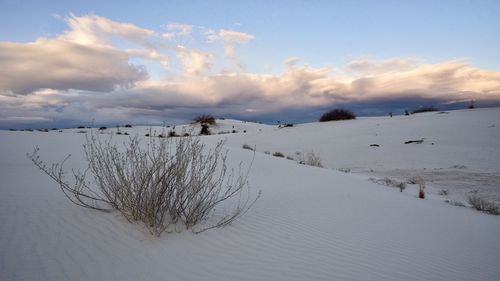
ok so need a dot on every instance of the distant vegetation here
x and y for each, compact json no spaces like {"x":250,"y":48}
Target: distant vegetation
{"x":424,"y":109}
{"x":471,"y":105}
{"x":337,"y":114}
{"x":205,"y":119}
{"x":205,"y":129}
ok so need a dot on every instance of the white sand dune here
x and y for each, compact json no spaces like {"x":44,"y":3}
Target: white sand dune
{"x":310,"y":223}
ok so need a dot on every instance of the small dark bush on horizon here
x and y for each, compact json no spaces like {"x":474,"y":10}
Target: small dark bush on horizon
{"x":205,"y":119}
{"x":471,"y":105}
{"x":424,"y":109}
{"x":337,"y":114}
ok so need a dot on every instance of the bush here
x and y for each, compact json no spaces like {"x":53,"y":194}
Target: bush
{"x":172,"y":134}
{"x":278,"y":154}
{"x":246,"y":146}
{"x":205,"y":119}
{"x":483,"y":205}
{"x":390,"y":182}
{"x":337,"y":114}
{"x":310,"y":159}
{"x":205,"y":129}
{"x":424,"y":109}
{"x":471,"y":105}
{"x":153,"y":185}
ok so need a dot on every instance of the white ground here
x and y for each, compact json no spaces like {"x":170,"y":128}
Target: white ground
{"x":310,"y":223}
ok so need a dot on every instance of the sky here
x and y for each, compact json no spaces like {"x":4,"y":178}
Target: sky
{"x":68,"y":63}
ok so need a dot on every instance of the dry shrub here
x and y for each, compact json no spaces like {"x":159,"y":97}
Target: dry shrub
{"x":483,"y":205}
{"x":167,"y":183}
{"x":390,"y":182}
{"x":278,"y":154}
{"x":311,"y":159}
{"x":246,"y":146}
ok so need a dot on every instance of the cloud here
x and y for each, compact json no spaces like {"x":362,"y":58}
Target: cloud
{"x":85,"y":74}
{"x":94,"y":30}
{"x":232,"y":38}
{"x":149,"y":54}
{"x":305,"y":86}
{"x":177,"y":29}
{"x":250,"y":94}
{"x":448,"y":80}
{"x":291,"y":61}
{"x":84,"y":58}
{"x":58,"y":64}
{"x":24,"y":119}
{"x":195,"y":62}
{"x":211,"y":35}
{"x":371,"y":67}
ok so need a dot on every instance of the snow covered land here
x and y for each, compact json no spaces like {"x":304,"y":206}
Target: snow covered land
{"x":340,"y":222}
